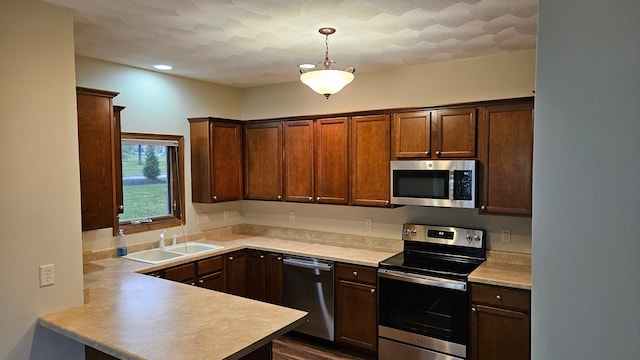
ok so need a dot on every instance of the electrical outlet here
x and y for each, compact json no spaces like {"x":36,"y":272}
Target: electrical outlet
{"x":367,"y":223}
{"x":292,"y":216}
{"x":225,"y":215}
{"x":506,"y":236}
{"x":47,"y":275}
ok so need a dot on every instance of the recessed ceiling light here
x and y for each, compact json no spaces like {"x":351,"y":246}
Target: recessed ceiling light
{"x":163,"y":67}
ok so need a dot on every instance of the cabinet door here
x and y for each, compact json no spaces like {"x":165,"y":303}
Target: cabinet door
{"x":235,"y":273}
{"x":183,"y":273}
{"x":226,"y":161}
{"x":356,"y":306}
{"x":214,"y":281}
{"x":211,"y":273}
{"x":117,"y":152}
{"x":332,"y":162}
{"x":256,"y":275}
{"x":298,"y":156}
{"x":263,"y":161}
{"x":370,"y":156}
{"x":499,"y":334}
{"x":508,"y":159}
{"x":412,"y":135}
{"x":96,"y":148}
{"x":454,"y":133}
{"x":273,"y":280}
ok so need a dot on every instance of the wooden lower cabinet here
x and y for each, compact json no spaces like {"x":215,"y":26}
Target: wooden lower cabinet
{"x":235,"y":273}
{"x":264,"y":276}
{"x":211,"y":273}
{"x":356,"y":306}
{"x":500,"y":323}
{"x":185,"y":273}
{"x":264,"y":352}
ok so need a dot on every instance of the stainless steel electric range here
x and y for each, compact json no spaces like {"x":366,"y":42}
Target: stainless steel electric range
{"x":423,"y":299}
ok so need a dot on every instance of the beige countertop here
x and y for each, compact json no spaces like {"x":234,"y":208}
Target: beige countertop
{"x":504,"y":269}
{"x":134,"y":316}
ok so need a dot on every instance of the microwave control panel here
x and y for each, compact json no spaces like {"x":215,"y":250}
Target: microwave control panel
{"x":462,"y":184}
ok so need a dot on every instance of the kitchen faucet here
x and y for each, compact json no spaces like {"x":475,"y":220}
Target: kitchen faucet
{"x":162,"y":239}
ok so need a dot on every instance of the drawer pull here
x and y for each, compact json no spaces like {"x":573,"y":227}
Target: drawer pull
{"x":473,"y":309}
{"x":498,"y":297}
{"x":355,"y":274}
{"x":373,"y":291}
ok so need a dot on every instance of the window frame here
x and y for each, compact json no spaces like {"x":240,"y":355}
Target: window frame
{"x":179,"y":216}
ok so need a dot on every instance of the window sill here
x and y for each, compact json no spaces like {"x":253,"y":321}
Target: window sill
{"x":160,"y":223}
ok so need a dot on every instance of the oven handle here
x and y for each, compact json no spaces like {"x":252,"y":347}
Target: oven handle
{"x":423,"y":279}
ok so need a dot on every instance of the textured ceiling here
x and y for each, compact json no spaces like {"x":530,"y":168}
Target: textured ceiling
{"x":246,"y":43}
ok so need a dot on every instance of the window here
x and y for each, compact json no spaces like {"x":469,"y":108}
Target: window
{"x":152,"y":182}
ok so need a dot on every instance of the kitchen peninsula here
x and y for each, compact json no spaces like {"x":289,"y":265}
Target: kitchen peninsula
{"x":129,"y":315}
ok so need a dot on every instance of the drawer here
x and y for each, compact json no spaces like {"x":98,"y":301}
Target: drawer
{"x":501,"y":296}
{"x":183,"y":273}
{"x":210,"y":265}
{"x":356,"y":273}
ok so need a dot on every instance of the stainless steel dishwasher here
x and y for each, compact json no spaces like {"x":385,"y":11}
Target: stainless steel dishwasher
{"x":308,"y":285}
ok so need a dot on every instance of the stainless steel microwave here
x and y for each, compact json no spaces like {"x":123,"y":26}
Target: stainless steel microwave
{"x":442,"y":183}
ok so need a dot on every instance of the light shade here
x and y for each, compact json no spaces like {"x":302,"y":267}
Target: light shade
{"x":326,"y":82}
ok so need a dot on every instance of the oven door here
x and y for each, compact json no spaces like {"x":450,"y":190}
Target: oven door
{"x":427,"y":312}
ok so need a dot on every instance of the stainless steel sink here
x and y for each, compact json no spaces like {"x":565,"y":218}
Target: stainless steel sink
{"x":154,"y":256}
{"x":193,"y":247}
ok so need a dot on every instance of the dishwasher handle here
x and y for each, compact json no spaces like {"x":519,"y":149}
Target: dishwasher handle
{"x":308,"y":264}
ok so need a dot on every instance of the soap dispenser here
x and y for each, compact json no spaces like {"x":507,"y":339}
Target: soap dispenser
{"x":122,"y":244}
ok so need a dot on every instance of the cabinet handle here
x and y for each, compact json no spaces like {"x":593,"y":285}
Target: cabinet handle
{"x":355,"y":274}
{"x":373,"y":291}
{"x":279,"y":197}
{"x":310,"y":198}
{"x":215,"y":198}
{"x":473,"y":309}
{"x":318,"y":198}
{"x":386,"y":202}
{"x":261,"y":256}
{"x":193,"y":284}
{"x":426,"y":153}
{"x":120,"y":207}
{"x":483,"y":208}
{"x":438,"y":152}
{"x":279,"y":258}
{"x":201,"y":281}
{"x":498,"y":297}
{"x":230,"y":257}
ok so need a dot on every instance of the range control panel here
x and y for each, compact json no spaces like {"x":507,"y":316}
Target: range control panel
{"x":473,"y":238}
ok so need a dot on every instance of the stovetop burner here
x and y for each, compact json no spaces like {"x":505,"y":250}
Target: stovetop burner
{"x":448,"y":252}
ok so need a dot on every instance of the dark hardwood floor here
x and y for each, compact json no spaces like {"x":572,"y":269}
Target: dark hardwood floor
{"x":292,"y":347}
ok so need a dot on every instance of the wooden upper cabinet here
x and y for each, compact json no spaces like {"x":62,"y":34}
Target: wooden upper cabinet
{"x":331,"y":147}
{"x":507,"y":147}
{"x":454,"y":133}
{"x":216,"y":160}
{"x":446,"y":134}
{"x":412,"y":135}
{"x":263,"y":161}
{"x":370,"y":156}
{"x":117,"y":153}
{"x":298,"y":157}
{"x":98,"y":143}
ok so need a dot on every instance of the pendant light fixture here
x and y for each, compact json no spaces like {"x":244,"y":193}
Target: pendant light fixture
{"x":325,"y":80}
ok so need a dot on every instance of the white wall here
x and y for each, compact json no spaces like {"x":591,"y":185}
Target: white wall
{"x":166,"y":110}
{"x":586,"y":250}
{"x":39,"y":186}
{"x":490,"y":77}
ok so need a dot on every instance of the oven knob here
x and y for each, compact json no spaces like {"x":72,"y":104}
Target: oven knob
{"x":476,"y":237}
{"x":469,"y":238}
